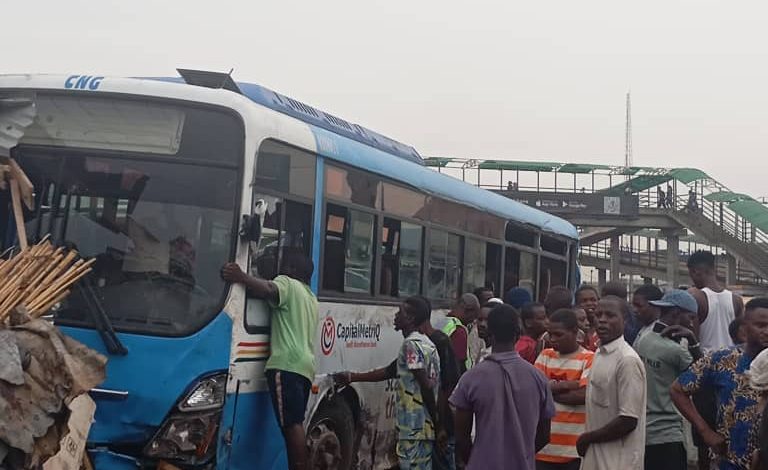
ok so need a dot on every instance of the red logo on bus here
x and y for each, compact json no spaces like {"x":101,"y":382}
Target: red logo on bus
{"x":328,"y":336}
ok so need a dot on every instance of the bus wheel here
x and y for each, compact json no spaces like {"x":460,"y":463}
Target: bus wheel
{"x":331,"y":437}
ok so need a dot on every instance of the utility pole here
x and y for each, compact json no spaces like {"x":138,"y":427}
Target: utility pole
{"x":628,"y":134}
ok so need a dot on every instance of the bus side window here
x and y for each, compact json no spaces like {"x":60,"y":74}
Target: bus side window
{"x":349,"y":250}
{"x":400,"y":258}
{"x":444,"y":268}
{"x":519,"y":270}
{"x":474,"y":264}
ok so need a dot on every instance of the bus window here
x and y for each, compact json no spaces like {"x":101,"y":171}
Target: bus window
{"x":493,"y":267}
{"x":474,"y":264}
{"x":404,"y":202}
{"x":553,"y":245}
{"x":444,"y":255}
{"x":553,"y":273}
{"x":517,"y":234}
{"x":527,"y":273}
{"x":287,"y":226}
{"x":353,"y":186}
{"x":348,"y":254}
{"x":409,"y":282}
{"x":400,"y":258}
{"x":285,"y":169}
{"x":519,"y":270}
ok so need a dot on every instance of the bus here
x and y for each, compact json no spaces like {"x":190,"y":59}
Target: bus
{"x":164,"y":180}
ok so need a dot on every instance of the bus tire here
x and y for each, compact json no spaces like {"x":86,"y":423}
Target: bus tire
{"x":331,"y":436}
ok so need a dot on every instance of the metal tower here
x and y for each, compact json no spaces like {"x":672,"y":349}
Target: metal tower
{"x":628,"y":134}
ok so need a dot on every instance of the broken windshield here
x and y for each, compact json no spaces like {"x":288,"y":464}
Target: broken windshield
{"x":160,"y":228}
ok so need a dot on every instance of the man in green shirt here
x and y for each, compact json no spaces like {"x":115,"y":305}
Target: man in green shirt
{"x":291,"y":364}
{"x":665,"y":358}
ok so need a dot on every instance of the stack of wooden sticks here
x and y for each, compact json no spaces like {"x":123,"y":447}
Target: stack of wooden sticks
{"x":38,"y":278}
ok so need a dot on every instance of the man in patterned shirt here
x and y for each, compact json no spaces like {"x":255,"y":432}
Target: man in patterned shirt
{"x":736,"y":437}
{"x":417,"y":369}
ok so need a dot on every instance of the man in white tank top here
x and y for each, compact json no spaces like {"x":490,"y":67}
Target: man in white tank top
{"x":718,"y":306}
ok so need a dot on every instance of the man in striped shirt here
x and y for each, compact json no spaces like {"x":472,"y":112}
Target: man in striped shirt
{"x":566,"y":365}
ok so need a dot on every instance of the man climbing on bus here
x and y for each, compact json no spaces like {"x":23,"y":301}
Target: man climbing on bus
{"x":291,"y":365}
{"x":417,"y":369}
{"x":462,"y":315}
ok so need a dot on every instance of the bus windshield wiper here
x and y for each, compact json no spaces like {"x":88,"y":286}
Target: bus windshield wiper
{"x":100,"y":318}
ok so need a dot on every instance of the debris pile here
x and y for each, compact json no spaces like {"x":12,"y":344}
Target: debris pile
{"x":41,"y":372}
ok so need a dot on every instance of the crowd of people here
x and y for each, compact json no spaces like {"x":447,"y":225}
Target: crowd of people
{"x":591,"y":379}
{"x":585,"y":380}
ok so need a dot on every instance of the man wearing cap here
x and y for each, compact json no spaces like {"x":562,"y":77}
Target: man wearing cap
{"x":667,"y":350}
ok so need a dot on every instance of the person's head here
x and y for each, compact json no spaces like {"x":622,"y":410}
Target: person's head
{"x":756,"y":324}
{"x":563,"y":331}
{"x":413,"y":312}
{"x":466,"y":308}
{"x":701,"y":268}
{"x":641,"y":301}
{"x":534,"y":318}
{"x":610,"y":318}
{"x":677,"y":307}
{"x":482,"y":320}
{"x":614,"y":288}
{"x":558,"y":297}
{"x":737,"y":331}
{"x":483,"y":294}
{"x":586,"y":298}
{"x":504,"y":326}
{"x":517,"y":297}
{"x":297,"y":265}
{"x":582,"y":320}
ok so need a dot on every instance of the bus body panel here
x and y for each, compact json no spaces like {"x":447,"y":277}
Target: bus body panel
{"x":256,"y":441}
{"x":153,"y":385}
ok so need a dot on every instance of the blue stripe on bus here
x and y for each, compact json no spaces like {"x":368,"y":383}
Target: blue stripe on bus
{"x":318,"y":222}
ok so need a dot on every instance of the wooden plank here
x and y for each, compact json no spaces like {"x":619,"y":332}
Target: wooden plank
{"x":18,"y":214}
{"x":25,"y":185}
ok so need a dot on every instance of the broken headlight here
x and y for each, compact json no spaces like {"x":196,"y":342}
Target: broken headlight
{"x":189,"y":434}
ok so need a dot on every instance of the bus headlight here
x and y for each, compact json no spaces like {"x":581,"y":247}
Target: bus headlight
{"x":189,"y":434}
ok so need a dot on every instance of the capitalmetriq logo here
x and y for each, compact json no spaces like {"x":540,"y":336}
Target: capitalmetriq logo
{"x":328,"y":336}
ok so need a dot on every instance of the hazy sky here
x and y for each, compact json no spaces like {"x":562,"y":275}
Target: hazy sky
{"x":482,"y":79}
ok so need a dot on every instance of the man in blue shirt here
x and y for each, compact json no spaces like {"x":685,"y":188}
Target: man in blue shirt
{"x":725,"y":371}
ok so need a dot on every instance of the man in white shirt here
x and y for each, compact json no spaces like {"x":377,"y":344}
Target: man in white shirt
{"x":616,"y":397}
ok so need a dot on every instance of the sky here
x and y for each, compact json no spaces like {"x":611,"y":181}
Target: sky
{"x":482,"y":79}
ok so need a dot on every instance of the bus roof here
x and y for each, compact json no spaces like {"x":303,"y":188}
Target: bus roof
{"x":373,"y":152}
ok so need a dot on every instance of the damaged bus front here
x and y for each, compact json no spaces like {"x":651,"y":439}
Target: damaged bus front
{"x":149,"y":188}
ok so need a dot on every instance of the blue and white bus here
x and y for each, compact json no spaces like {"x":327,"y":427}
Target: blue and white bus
{"x":164,"y":180}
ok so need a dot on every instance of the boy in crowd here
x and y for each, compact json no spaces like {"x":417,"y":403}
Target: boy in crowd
{"x":566,"y":365}
{"x":534,"y":318}
{"x":587,"y":298}
{"x":647,"y":313}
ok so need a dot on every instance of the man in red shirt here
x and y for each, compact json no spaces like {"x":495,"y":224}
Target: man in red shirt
{"x":534,"y":318}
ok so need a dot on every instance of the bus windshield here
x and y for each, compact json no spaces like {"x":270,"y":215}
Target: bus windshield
{"x":159,"y":229}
